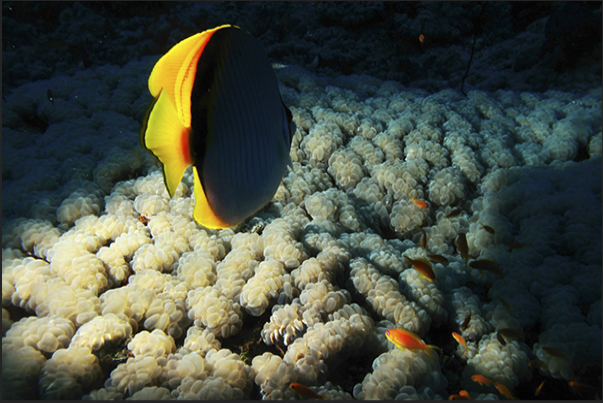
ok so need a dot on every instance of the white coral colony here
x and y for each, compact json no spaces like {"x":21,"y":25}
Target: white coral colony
{"x":111,"y":290}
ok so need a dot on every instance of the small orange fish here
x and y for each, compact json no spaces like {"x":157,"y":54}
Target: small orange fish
{"x":437,"y":258}
{"x":304,"y":391}
{"x":460,"y":339}
{"x":423,"y":267}
{"x":539,"y":388}
{"x":504,"y":390}
{"x":462,"y":395}
{"x":505,"y":305}
{"x":488,"y":228}
{"x":466,"y":321}
{"x":462,"y":247}
{"x":487,"y":265}
{"x":405,"y":339}
{"x":482,"y":380}
{"x":421,"y":36}
{"x":419,"y":203}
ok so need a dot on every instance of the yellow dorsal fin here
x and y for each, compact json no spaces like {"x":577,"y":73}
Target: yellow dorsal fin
{"x":203,"y":213}
{"x":175,"y":72}
{"x":167,"y":140}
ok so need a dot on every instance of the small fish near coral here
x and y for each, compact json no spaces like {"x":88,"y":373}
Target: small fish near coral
{"x":218,"y":109}
{"x":460,"y":339}
{"x":423,"y":267}
{"x":462,"y":247}
{"x":405,"y":339}
{"x":482,"y":380}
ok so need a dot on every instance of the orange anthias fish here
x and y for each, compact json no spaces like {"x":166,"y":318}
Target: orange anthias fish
{"x":218,"y":109}
{"x":504,"y":390}
{"x":405,"y":339}
{"x":539,"y":388}
{"x":419,"y":203}
{"x":482,"y":380}
{"x":423,"y":267}
{"x":462,"y":395}
{"x":460,"y":339}
{"x":305,"y":391}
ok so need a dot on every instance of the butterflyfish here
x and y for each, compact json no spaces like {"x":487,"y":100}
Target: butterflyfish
{"x":218,"y":108}
{"x":304,"y":391}
{"x":405,"y":339}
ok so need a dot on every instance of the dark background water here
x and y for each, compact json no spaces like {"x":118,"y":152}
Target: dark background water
{"x":42,"y":39}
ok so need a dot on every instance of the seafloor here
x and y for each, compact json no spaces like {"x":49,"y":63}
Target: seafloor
{"x":110,"y":290}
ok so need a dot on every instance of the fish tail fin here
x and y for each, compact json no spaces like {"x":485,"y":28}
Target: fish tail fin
{"x":430,"y":351}
{"x":167,"y":139}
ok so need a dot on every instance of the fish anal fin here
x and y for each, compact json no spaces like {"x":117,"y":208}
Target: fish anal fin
{"x":168,"y":140}
{"x":203,"y":212}
{"x":430,"y":351}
